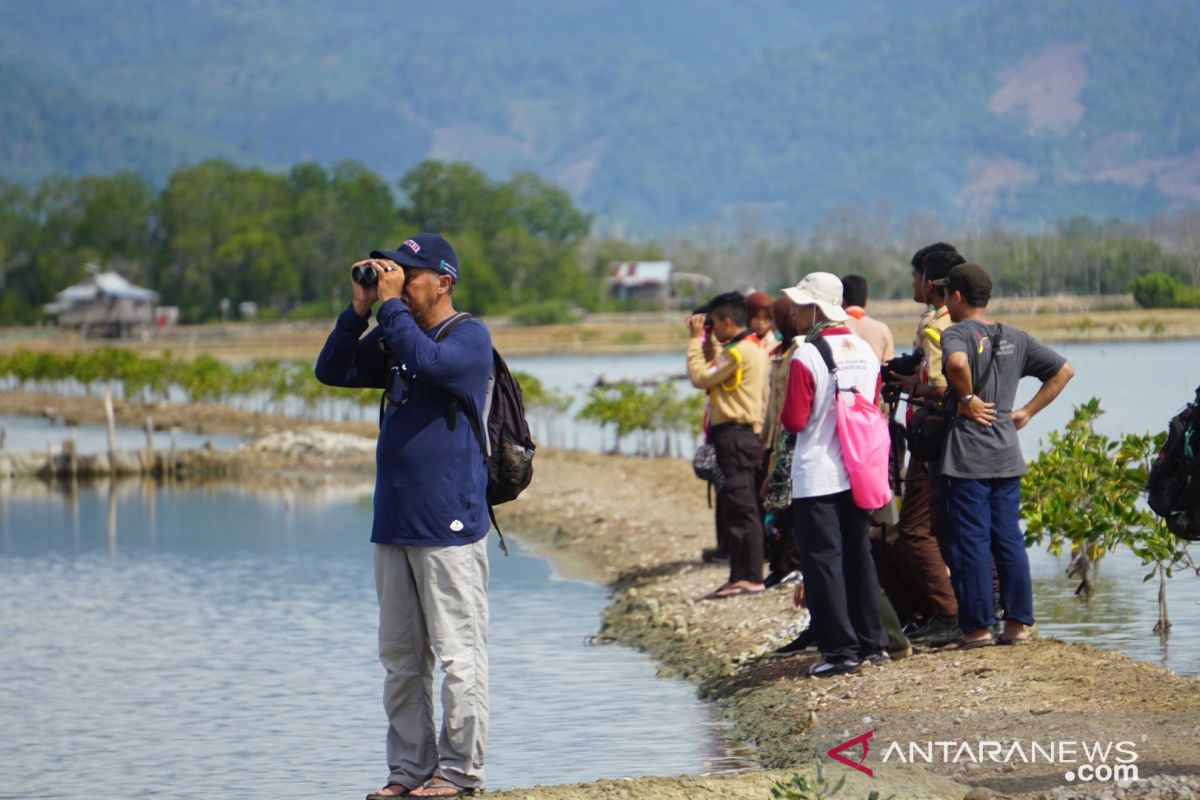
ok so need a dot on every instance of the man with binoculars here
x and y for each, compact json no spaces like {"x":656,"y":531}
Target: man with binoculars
{"x":430,"y":512}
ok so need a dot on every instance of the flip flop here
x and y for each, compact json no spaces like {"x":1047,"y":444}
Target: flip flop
{"x":381,"y":796}
{"x":442,"y":783}
{"x":735,"y":591}
{"x":963,"y":644}
{"x":1011,"y":642}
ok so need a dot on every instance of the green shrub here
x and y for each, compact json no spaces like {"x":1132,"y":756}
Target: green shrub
{"x":1084,"y":490}
{"x":547,"y":312}
{"x":1157,"y":290}
{"x":317,"y":309}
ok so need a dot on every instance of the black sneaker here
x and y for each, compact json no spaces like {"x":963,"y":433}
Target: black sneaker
{"x":828,"y":669}
{"x":936,"y":629}
{"x":711,"y":555}
{"x":792,"y":578}
{"x":778,"y":577}
{"x":807,"y":639}
{"x":878,"y":658}
{"x":915,"y":625}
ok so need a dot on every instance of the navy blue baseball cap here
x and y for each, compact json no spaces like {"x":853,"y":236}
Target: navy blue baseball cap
{"x":426,"y":251}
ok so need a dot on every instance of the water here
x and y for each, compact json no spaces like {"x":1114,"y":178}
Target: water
{"x":223,"y":638}
{"x":37,"y":433}
{"x":1141,"y":385}
{"x":1122,"y":610}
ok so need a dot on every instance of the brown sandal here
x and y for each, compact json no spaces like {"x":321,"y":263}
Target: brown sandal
{"x":435,"y":783}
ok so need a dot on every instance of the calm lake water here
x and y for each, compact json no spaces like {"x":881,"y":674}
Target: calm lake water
{"x":224,"y":638}
{"x":37,"y":433}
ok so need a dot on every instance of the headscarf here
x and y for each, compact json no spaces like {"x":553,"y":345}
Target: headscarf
{"x":781,"y":310}
{"x":756,"y":302}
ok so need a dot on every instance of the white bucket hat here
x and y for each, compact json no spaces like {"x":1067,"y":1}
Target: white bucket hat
{"x":820,"y":289}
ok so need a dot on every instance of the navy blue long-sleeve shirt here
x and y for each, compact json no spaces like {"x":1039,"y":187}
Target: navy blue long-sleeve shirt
{"x":430,"y":481}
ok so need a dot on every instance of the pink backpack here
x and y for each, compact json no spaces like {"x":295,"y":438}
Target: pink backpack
{"x":863,"y":434}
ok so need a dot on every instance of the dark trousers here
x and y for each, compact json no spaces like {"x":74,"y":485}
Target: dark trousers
{"x":920,"y":527}
{"x":839,"y":575}
{"x":738,"y":521}
{"x":897,"y":577}
{"x":781,"y":553}
{"x":982,"y":523}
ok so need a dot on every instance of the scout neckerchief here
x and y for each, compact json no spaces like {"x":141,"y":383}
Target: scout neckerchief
{"x":730,"y":348}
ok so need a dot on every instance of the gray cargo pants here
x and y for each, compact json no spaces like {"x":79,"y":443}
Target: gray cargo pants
{"x":433,"y":603}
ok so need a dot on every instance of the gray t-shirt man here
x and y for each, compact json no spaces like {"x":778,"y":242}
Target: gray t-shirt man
{"x":992,"y":451}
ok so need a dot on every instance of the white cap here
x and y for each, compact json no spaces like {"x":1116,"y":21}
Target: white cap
{"x":820,"y":289}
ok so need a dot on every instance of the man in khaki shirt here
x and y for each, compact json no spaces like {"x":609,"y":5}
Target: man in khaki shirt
{"x":735,"y":381}
{"x":920,"y":510}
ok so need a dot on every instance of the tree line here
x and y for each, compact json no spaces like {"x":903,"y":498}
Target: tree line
{"x":283,"y":240}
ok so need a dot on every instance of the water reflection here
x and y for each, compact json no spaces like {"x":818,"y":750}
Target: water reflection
{"x":1122,"y":611}
{"x":168,"y":635}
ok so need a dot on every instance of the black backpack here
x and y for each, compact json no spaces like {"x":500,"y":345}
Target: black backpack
{"x":508,"y":447}
{"x":1173,"y":487}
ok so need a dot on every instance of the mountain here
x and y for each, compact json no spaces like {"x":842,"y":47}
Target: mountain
{"x":659,"y":114}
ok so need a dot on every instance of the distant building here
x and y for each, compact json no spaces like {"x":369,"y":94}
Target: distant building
{"x":104,"y":305}
{"x":647,"y":281}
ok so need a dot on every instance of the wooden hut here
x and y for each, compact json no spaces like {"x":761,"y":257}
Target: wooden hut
{"x":105,"y":304}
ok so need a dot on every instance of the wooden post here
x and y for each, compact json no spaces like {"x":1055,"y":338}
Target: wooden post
{"x":148,"y":454}
{"x":110,"y":419}
{"x":171,"y":453}
{"x":3,"y":438}
{"x":72,"y":465}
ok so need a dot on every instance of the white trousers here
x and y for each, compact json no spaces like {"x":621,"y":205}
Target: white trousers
{"x":433,"y":604}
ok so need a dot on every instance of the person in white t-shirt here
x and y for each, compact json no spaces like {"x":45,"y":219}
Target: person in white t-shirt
{"x":841,"y":584}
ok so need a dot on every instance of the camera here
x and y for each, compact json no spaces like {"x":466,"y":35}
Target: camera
{"x":906,"y":364}
{"x":364,"y":274}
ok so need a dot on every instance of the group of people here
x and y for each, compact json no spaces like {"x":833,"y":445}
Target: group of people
{"x":771,"y":369}
{"x":952,"y":561}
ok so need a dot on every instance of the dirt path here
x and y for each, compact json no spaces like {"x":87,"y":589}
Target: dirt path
{"x":639,"y":524}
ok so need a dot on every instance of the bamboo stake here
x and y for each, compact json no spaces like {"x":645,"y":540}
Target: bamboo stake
{"x":110,"y":419}
{"x":148,"y":453}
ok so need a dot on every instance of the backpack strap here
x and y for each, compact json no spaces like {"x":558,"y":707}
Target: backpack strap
{"x":995,"y":351}
{"x":451,"y":324}
{"x":476,"y":426}
{"x":826,"y":354}
{"x":442,"y":333}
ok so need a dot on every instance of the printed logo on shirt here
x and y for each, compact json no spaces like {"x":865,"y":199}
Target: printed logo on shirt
{"x":982,"y":342}
{"x":456,"y":526}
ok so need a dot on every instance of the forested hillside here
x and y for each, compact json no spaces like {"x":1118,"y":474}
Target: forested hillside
{"x":653,"y":115}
